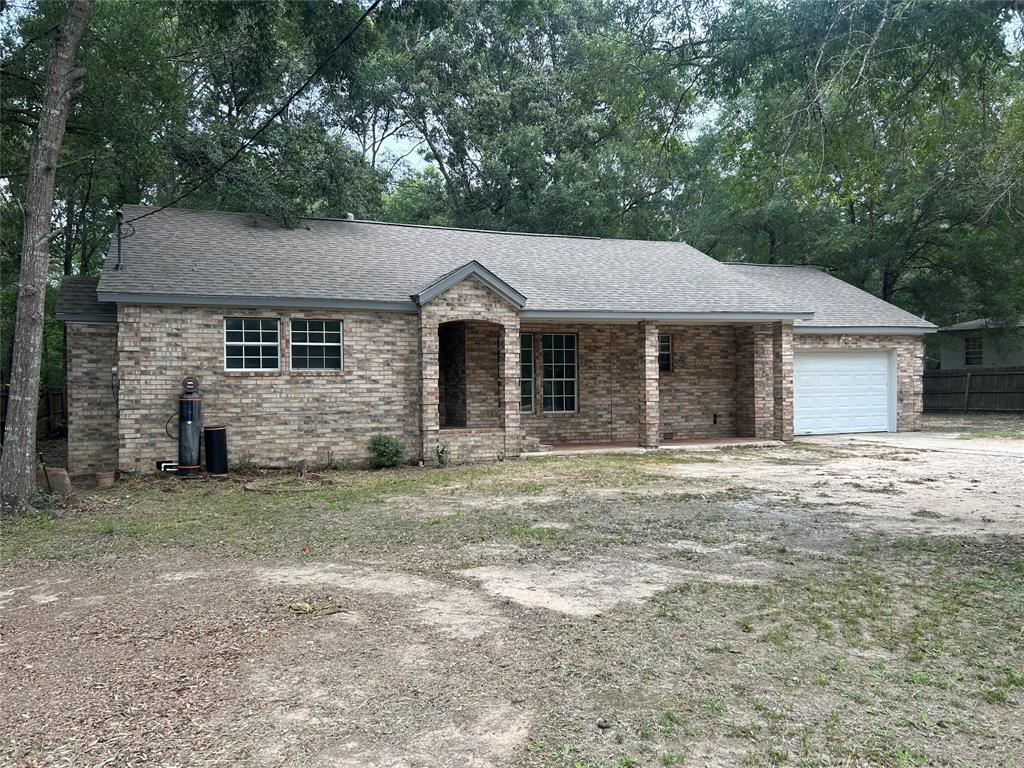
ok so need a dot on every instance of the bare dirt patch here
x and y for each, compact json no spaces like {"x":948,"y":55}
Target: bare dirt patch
{"x":460,"y":611}
{"x":591,"y":587}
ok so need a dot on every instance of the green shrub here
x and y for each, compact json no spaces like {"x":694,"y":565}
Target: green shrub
{"x":387,"y":452}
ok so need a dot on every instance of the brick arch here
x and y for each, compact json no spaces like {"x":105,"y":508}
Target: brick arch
{"x":470,"y":301}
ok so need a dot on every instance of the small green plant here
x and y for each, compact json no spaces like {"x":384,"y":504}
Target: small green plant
{"x":331,"y":462}
{"x":245,"y":464}
{"x":387,"y":452}
{"x":442,"y":455}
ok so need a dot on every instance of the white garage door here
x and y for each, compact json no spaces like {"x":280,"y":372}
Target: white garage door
{"x":835,"y":392}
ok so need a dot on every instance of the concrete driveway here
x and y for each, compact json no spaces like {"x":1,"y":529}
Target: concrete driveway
{"x":922,"y":482}
{"x":945,"y":442}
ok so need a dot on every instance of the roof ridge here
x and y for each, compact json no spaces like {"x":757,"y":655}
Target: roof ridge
{"x":423,"y":226}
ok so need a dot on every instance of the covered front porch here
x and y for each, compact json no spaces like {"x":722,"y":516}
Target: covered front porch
{"x":498,"y":381}
{"x":652,"y":384}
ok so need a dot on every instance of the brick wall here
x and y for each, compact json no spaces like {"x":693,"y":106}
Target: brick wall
{"x":483,"y":385}
{"x":92,"y":410}
{"x":608,"y":386}
{"x":702,"y":383}
{"x":391,"y":383}
{"x":275,"y":418}
{"x":909,"y":367}
{"x":472,"y":444}
{"x":755,"y":378}
{"x":782,"y":381}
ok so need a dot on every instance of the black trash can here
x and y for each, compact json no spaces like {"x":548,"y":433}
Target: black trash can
{"x":215,"y":445}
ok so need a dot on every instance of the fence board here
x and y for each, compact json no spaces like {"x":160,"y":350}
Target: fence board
{"x":987,"y":389}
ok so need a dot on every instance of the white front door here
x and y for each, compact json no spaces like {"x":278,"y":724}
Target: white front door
{"x":836,"y":392}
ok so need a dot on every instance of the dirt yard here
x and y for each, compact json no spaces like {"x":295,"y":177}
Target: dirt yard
{"x":848,"y":601}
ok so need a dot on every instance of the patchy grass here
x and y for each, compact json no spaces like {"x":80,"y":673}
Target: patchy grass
{"x":778,"y":638}
{"x":974,"y":425}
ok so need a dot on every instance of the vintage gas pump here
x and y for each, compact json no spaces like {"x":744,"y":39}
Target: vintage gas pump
{"x":190,"y":427}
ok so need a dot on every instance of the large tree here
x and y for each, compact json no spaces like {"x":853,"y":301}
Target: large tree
{"x":60,"y":89}
{"x":872,"y":138}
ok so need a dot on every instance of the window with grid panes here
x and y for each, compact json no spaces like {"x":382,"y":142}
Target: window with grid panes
{"x":664,"y":352}
{"x":251,"y":344}
{"x":316,"y":345}
{"x":559,"y":360}
{"x":973,"y":351}
{"x":526,"y":372}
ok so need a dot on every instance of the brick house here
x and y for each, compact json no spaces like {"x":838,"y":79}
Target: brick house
{"x":307,"y":341}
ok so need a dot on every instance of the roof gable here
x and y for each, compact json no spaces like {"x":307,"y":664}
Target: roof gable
{"x":481,"y":273}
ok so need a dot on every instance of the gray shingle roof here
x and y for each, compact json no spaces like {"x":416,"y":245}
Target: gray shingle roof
{"x":186,"y":256}
{"x":981,"y":324}
{"x":836,"y":304}
{"x":77,"y":301}
{"x":238,"y":256}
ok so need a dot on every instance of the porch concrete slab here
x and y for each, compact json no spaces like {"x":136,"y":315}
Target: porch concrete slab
{"x":580,"y":449}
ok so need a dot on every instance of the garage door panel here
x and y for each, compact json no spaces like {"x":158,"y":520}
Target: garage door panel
{"x":837,"y":392}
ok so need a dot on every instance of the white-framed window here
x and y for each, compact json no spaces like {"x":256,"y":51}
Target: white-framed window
{"x":251,"y":344}
{"x":559,"y":357}
{"x":316,"y":345}
{"x":526,"y":372}
{"x":664,"y":352}
{"x":973,"y":350}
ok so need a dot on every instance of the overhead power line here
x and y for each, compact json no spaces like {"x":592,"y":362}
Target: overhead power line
{"x":266,"y":123}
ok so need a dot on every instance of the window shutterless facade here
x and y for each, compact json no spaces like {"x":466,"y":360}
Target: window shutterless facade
{"x":251,"y":344}
{"x":664,"y":352}
{"x":526,"y":372}
{"x":559,"y":358}
{"x":973,"y":351}
{"x":316,"y":345}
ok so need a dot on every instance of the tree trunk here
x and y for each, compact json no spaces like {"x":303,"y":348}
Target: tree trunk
{"x":889,"y":280}
{"x":18,"y":463}
{"x":83,"y":264}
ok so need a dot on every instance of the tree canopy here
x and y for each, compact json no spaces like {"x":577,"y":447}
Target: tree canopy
{"x":881,"y":140}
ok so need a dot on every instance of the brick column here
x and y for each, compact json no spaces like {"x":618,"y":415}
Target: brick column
{"x":508,"y":376}
{"x":131,"y":386}
{"x":430,"y":415}
{"x":755,"y":400}
{"x":782,"y":375}
{"x":649,"y":385}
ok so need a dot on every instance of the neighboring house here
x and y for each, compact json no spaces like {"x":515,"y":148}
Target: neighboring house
{"x":308,"y":341}
{"x":979,"y":344}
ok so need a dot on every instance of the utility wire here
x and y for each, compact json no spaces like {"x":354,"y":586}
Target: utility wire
{"x":266,"y":123}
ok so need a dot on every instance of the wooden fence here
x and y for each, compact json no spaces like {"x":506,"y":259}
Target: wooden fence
{"x":991,"y":389}
{"x":53,"y":413}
